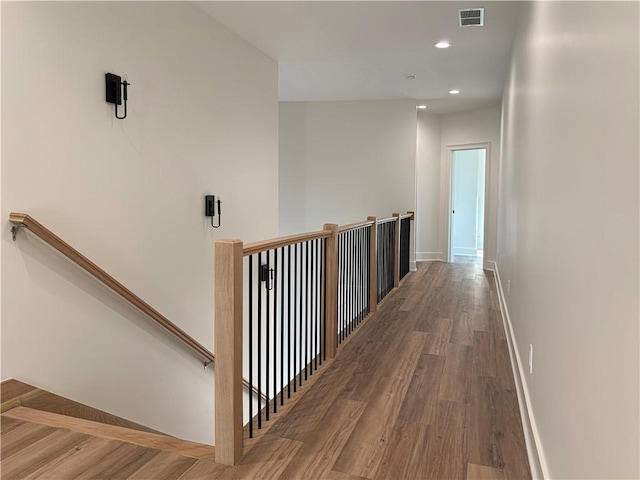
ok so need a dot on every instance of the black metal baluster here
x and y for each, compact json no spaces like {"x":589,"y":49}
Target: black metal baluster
{"x":276,"y":273}
{"x":352,"y":270}
{"x":250,"y":281}
{"x":359,"y":274}
{"x":312,"y":309}
{"x":340,"y":283}
{"x":358,"y":279}
{"x":343,"y":274}
{"x":300,"y":342}
{"x":289,"y":300}
{"x":295,"y":310}
{"x":306,"y":319}
{"x":259,"y":345}
{"x":323,"y":323}
{"x":315,"y":302}
{"x":267,"y":337}
{"x":282,"y":327}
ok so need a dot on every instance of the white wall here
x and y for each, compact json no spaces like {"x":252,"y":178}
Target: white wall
{"x":128,"y":194}
{"x":473,"y":127}
{"x":436,"y":133}
{"x":568,"y":236}
{"x":428,"y":236}
{"x":343,"y":161}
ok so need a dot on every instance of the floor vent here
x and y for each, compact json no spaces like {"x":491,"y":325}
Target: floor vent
{"x":471,"y":17}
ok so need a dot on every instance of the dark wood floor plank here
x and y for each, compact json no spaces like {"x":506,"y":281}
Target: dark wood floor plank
{"x":267,"y":460}
{"x":484,"y":354}
{"x":206,"y":470}
{"x":307,"y":412}
{"x":120,"y":463}
{"x":512,"y":444}
{"x":405,"y":458}
{"x":483,"y":441}
{"x":38,"y":454}
{"x":13,"y":389}
{"x":364,"y":450}
{"x":447,"y":451}
{"x":8,"y":424}
{"x":439,"y":331}
{"x":320,"y":450}
{"x":165,"y":465}
{"x":457,"y":373}
{"x":76,"y":460}
{"x":504,"y":369}
{"x":482,"y":472}
{"x":21,"y":437}
{"x":462,"y":328}
{"x":421,"y":400}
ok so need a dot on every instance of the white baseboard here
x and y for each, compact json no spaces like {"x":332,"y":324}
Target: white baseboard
{"x":535,"y":452}
{"x":412,"y":266}
{"x":429,"y":257}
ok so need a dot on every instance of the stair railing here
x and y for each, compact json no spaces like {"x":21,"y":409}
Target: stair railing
{"x":284,"y":307}
{"x":22,"y":220}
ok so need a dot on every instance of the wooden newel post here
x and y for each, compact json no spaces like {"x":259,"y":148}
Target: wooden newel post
{"x":228,"y":349}
{"x":331,"y":340}
{"x":373,"y":262}
{"x":396,"y":249}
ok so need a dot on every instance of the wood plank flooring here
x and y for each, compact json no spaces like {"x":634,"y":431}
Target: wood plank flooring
{"x":423,"y":391}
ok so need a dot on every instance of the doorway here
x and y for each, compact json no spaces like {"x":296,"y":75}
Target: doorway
{"x":468,"y":171}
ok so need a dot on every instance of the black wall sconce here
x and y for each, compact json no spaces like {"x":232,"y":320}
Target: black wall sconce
{"x":116,"y":92}
{"x":210,"y":205}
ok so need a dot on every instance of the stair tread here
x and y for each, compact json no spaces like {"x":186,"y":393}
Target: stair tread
{"x":113,"y":432}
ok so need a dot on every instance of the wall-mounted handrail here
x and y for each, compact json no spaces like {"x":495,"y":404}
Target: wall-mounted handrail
{"x":263,"y":246}
{"x":20,"y":220}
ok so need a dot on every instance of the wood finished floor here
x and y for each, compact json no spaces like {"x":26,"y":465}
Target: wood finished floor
{"x":423,"y":391}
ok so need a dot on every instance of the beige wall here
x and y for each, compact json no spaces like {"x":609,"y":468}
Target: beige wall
{"x":343,"y":161}
{"x":436,"y":133}
{"x":568,"y":231}
{"x":428,"y":237}
{"x":129,"y":194}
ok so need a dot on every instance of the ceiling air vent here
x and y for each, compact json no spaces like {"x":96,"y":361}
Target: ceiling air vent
{"x":471,"y":17}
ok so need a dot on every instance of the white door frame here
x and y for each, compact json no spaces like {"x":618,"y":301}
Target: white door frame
{"x":448,"y":194}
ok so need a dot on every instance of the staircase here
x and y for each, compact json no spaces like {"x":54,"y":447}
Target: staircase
{"x":49,"y":437}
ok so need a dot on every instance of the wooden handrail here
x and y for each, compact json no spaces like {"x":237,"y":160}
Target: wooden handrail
{"x":388,"y":219}
{"x":263,"y":246}
{"x":24,"y":220}
{"x":354,"y":226}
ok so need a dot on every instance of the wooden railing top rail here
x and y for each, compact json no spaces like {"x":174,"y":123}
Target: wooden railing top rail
{"x":408,"y":215}
{"x":353,"y":226}
{"x":263,"y":246}
{"x":24,"y":220}
{"x":385,"y":220}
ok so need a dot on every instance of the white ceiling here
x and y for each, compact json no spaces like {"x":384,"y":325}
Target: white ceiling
{"x":362,"y":50}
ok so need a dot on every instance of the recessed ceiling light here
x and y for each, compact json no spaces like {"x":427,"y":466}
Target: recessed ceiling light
{"x":443,"y":44}
{"x":422,"y":107}
{"x":454,"y":92}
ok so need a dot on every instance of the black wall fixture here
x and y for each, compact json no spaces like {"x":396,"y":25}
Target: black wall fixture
{"x":116,"y":92}
{"x":210,"y":204}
